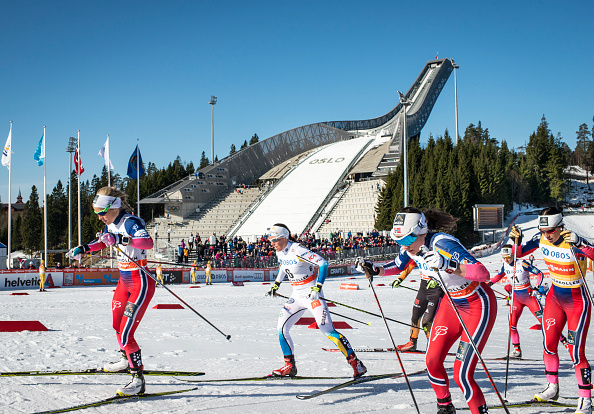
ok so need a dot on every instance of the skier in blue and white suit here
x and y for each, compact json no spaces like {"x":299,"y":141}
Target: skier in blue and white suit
{"x":298,"y":264}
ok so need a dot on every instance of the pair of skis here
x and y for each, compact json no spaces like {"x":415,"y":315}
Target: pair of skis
{"x":382,"y":350}
{"x":529,"y":403}
{"x":98,"y":371}
{"x":121,"y":399}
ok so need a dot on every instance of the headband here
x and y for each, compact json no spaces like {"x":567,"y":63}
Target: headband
{"x":506,"y":252}
{"x":278,"y":232}
{"x":547,"y":222}
{"x":104,"y":201}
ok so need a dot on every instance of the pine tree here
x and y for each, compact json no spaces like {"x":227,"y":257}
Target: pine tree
{"x":232,"y":150}
{"x":254,"y":139}
{"x":555,"y":166}
{"x":537,"y":154}
{"x":17,"y":234}
{"x":57,"y":217}
{"x":582,"y":148}
{"x":203,"y":161}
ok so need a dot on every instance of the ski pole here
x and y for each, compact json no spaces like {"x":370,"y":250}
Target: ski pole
{"x":333,"y":313}
{"x":409,"y":288}
{"x":503,"y":296}
{"x":371,"y":313}
{"x":511,"y":310}
{"x":581,"y":274}
{"x":396,"y":351}
{"x":149,"y":274}
{"x":470,"y":339}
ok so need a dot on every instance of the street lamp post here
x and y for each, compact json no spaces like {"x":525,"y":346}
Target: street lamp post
{"x":213,"y":101}
{"x":405,"y":103}
{"x":456,"y":98}
{"x":70,"y":148}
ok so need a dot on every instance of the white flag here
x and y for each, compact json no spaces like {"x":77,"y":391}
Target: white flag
{"x":104,"y":152}
{"x":6,"y":152}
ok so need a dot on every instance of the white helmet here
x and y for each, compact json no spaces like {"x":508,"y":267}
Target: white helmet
{"x":407,"y":224}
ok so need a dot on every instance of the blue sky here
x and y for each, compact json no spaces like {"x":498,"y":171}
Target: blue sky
{"x":147,"y":69}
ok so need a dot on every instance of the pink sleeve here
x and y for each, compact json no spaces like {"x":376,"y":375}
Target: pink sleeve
{"x":142,"y":243}
{"x":588,"y":251}
{"x":94,"y":246}
{"x":496,"y":278}
{"x":476,"y":272}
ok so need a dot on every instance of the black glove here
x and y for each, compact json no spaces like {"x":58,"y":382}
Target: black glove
{"x":396,"y":283}
{"x":273,"y":289}
{"x":315,"y":292}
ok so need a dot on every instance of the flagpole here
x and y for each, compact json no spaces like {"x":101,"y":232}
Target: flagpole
{"x":9,"y":262}
{"x":78,"y":176}
{"x":109,"y":185}
{"x":108,"y":169}
{"x":138,"y":177}
{"x":44,"y":203}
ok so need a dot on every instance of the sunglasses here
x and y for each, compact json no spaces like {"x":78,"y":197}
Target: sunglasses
{"x":408,"y":240}
{"x":104,"y":211}
{"x":550,"y":231}
{"x":276,"y":239}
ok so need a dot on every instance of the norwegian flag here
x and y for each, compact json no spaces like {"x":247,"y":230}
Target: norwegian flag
{"x":77,"y":161}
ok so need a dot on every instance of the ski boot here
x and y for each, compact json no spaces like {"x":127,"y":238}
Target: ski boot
{"x":517,"y":352}
{"x":446,"y":409}
{"x":584,"y":405}
{"x":409,"y":346}
{"x":288,"y":370}
{"x":358,"y":368}
{"x":135,"y":386}
{"x":551,"y":392}
{"x":120,"y":365}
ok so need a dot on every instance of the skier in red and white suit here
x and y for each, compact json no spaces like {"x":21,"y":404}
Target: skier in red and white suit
{"x":568,"y":301}
{"x":298,"y":264}
{"x":135,"y":288}
{"x":465,"y":278}
{"x":523,"y":292}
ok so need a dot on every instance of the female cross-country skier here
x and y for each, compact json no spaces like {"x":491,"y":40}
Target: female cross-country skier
{"x":298,"y":264}
{"x":465,"y":279}
{"x":567,"y":301}
{"x":134,"y":289}
{"x":524,"y":293}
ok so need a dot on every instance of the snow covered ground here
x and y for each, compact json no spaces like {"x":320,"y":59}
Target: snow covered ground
{"x":80,"y":337}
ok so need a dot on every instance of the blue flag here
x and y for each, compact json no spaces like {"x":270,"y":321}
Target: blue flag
{"x":39,"y":155}
{"x":132,"y":165}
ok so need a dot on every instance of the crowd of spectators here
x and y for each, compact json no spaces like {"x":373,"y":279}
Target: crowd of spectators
{"x":236,"y":252}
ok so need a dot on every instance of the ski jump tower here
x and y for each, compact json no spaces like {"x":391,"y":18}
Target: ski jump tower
{"x":247,"y":165}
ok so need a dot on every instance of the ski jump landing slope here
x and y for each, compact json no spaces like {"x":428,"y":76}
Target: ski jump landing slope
{"x":302,"y":191}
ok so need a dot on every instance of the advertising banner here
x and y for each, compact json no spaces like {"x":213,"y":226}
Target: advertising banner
{"x":95,"y":276}
{"x":248,"y":275}
{"x":29,"y":279}
{"x":20,"y":281}
{"x":342,"y":270}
